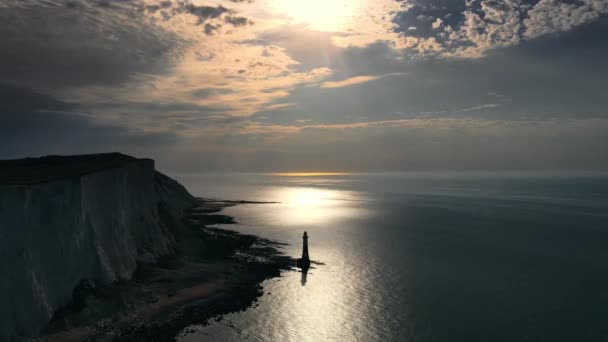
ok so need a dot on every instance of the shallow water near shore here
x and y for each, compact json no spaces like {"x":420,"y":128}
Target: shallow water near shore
{"x":423,"y":257}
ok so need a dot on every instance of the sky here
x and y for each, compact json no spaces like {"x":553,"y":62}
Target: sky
{"x":309,"y":85}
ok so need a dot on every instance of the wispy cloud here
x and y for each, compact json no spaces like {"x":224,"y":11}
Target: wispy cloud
{"x":349,"y":81}
{"x":356,"y":80}
{"x":289,"y":129}
{"x":488,"y":126}
{"x":479,"y":107}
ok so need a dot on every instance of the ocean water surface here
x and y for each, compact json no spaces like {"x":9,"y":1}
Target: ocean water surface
{"x":423,"y":257}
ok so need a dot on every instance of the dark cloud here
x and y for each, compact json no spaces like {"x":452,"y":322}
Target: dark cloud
{"x":56,"y":47}
{"x":80,"y":43}
{"x":161,"y":5}
{"x":16,"y":99}
{"x":206,"y":12}
{"x":236,"y":21}
{"x":203,"y":13}
{"x":471,"y":28}
{"x":424,"y":13}
{"x":34,"y":124}
{"x":209,"y":29}
{"x":209,"y":92}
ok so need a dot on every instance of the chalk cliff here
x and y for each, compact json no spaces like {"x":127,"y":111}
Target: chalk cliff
{"x":65,"y":219}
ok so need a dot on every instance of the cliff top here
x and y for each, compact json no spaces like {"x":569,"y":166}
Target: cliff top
{"x":49,"y":168}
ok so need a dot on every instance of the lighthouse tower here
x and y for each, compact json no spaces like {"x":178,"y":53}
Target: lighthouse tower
{"x":304,"y":262}
{"x":305,"y":256}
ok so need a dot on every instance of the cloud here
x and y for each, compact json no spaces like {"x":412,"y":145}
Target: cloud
{"x":133,"y":52}
{"x":274,"y":129}
{"x":437,"y":23}
{"x":57,"y":47}
{"x":237,"y":21}
{"x":349,"y":81}
{"x":253,"y":81}
{"x":16,"y":99}
{"x":549,"y":16}
{"x":355,"y":80}
{"x":246,"y":79}
{"x":479,"y":107}
{"x":204,"y":12}
{"x":34,"y":124}
{"x":548,"y":78}
{"x":484,"y":25}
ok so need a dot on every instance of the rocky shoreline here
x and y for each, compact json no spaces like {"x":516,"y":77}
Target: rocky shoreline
{"x":214,"y":272}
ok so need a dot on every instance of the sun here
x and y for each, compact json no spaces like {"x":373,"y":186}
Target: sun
{"x":322,"y":15}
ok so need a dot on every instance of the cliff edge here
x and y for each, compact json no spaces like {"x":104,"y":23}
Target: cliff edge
{"x":65,"y":219}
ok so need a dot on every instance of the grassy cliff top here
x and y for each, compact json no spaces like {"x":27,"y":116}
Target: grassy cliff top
{"x":44,"y":169}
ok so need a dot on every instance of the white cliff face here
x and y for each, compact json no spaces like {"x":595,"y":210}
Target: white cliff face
{"x":95,"y":226}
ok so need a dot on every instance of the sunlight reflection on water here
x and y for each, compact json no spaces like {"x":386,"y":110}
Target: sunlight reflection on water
{"x":313,"y":206}
{"x":337,"y":300}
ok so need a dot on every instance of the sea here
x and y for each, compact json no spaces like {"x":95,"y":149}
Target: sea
{"x":422,"y":257}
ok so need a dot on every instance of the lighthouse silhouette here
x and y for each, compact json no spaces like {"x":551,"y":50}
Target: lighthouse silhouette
{"x":304,"y":262}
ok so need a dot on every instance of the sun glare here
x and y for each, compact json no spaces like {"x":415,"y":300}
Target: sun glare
{"x":323,"y":15}
{"x":310,"y":174}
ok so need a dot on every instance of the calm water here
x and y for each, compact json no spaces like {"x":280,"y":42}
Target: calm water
{"x":414,"y":257}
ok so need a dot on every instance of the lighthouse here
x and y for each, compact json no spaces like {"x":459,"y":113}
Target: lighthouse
{"x":305,"y":256}
{"x":304,"y":262}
